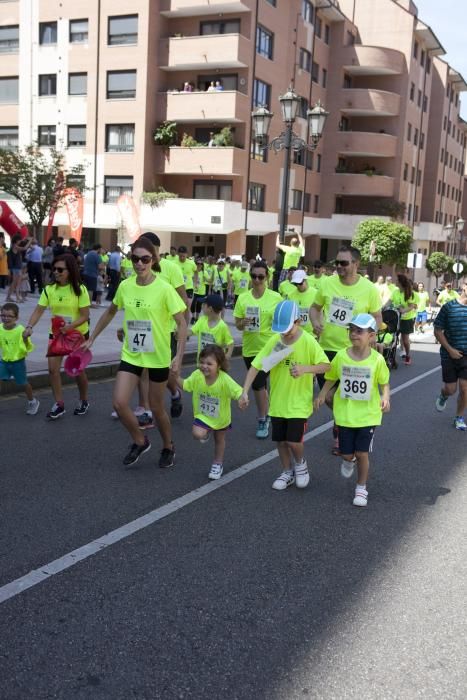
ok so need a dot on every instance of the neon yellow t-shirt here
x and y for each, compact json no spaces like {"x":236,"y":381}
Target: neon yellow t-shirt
{"x":126,"y":268}
{"x":188,"y":268}
{"x":12,"y":345}
{"x":357,"y":401}
{"x":292,"y":255}
{"x":399,"y":300}
{"x":220,"y":279}
{"x":105,"y":258}
{"x":314,"y":281}
{"x":219,"y":334}
{"x":304,"y":300}
{"x":62,"y":301}
{"x":209,"y":273}
{"x":286,"y":288}
{"x":148,"y":321}
{"x":445,"y":296}
{"x":260,"y":311}
{"x":423,"y":301}
{"x":172,"y":259}
{"x":340,"y":302}
{"x":211,"y":402}
{"x":200,"y":287}
{"x":241,"y":282}
{"x":291,"y":397}
{"x":171,"y":273}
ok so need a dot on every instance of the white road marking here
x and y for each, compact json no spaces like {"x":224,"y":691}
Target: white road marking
{"x":36,"y":576}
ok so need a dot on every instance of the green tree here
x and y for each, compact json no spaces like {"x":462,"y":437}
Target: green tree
{"x":390,"y":241}
{"x":438,"y":264}
{"x":30,"y":176}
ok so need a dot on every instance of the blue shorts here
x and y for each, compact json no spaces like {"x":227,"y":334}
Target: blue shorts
{"x":353,"y":440}
{"x":422,"y":317}
{"x":15,"y":370}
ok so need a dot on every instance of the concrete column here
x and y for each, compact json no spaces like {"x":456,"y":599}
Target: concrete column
{"x":236,"y":243}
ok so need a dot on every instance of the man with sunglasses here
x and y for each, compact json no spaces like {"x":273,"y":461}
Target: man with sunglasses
{"x":339,"y":298}
{"x":318,"y":275}
{"x":253,"y":314}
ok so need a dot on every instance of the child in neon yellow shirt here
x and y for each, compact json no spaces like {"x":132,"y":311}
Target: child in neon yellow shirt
{"x":358,"y":405}
{"x":212,"y":389}
{"x":210,"y":328}
{"x":14,"y":349}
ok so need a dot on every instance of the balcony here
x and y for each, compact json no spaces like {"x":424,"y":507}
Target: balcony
{"x":192,"y":8}
{"x":226,"y":107}
{"x":357,"y":102}
{"x":205,"y":52}
{"x":200,"y":161}
{"x":372,"y":60}
{"x":362,"y":185}
{"x":357,"y":143}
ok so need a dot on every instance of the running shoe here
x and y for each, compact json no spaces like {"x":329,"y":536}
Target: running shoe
{"x":216,"y":471}
{"x":33,"y":407}
{"x":167,"y":458}
{"x":302,"y":475}
{"x":57,"y":411}
{"x":139,"y":410}
{"x":262,"y":431}
{"x":284,"y":480}
{"x":459,"y":423}
{"x":145,"y":421}
{"x":176,"y":406}
{"x":136,"y":451}
{"x":407,"y":360}
{"x":114,"y":415}
{"x":81,"y":409}
{"x":361,"y":496}
{"x":441,"y":402}
{"x":347,"y":468}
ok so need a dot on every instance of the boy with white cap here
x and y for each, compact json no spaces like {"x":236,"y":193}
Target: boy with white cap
{"x":304,"y":296}
{"x":358,"y":404}
{"x":293,"y":358}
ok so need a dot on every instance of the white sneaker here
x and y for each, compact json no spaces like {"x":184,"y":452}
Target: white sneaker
{"x":33,"y":407}
{"x":139,"y":410}
{"x":114,"y":415}
{"x":347,"y":468}
{"x":361,"y":496}
{"x":284,"y":480}
{"x":216,"y":471}
{"x":302,"y":475}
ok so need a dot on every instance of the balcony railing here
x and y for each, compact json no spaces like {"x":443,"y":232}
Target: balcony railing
{"x":201,"y":52}
{"x":227,"y":106}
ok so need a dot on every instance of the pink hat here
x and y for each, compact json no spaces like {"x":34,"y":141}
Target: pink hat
{"x":77,"y":361}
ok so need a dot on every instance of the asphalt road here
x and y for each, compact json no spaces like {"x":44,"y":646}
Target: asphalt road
{"x":244,"y":592}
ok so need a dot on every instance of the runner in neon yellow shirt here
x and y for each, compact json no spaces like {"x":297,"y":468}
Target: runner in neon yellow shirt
{"x":14,"y":348}
{"x":293,"y":358}
{"x":423,"y":303}
{"x":188,"y":268}
{"x":405,"y":300}
{"x":358,"y":404}
{"x":241,"y":280}
{"x":286,"y":287}
{"x":448,"y":294}
{"x":315,"y":280}
{"x":126,"y":267}
{"x":293,"y":252}
{"x":213,"y":390}
{"x":253,"y":315}
{"x":211,"y":329}
{"x":304,"y":296}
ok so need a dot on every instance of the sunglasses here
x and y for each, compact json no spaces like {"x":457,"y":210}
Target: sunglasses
{"x":258,"y":277}
{"x":59,"y":269}
{"x":342,"y":263}
{"x":145,"y":259}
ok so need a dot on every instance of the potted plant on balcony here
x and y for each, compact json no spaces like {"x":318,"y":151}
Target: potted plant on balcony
{"x":224,"y":137}
{"x":165,"y":134}
{"x":158,"y":197}
{"x":189,"y":141}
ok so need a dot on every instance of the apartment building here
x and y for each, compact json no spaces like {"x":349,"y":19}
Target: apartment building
{"x":98,"y":77}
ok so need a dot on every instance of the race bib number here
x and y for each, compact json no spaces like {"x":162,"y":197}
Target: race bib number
{"x":209,"y":406}
{"x":243,"y":284}
{"x":207,"y":339}
{"x":303,"y":316}
{"x":341,"y":311}
{"x":254,"y":315}
{"x":356,"y":383}
{"x":140,"y":337}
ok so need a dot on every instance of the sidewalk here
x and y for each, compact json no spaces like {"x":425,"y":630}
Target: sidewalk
{"x":105,"y":351}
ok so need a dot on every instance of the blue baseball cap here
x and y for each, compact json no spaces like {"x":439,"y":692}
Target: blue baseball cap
{"x":366,"y":321}
{"x":285,"y":315}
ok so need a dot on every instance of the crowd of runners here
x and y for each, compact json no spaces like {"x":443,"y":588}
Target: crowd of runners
{"x":325,"y":324}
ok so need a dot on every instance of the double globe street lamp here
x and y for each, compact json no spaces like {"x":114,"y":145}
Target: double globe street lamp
{"x":455,"y":234}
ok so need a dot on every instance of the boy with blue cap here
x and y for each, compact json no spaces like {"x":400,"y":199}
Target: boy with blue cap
{"x":358,"y":404}
{"x":293,"y":358}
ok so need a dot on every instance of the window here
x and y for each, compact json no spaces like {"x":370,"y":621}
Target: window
{"x":116,"y":186}
{"x":425,"y":103}
{"x":318,"y":163}
{"x":77,"y":135}
{"x":258,"y":152}
{"x":442,"y":155}
{"x":46,"y":135}
{"x":419,"y":100}
{"x":318,"y":26}
{"x":350,"y":38}
{"x":415,"y":137}
{"x":309,"y":160}
{"x":412,"y":91}
{"x":327,"y":33}
{"x":419,"y":178}
{"x":307,"y":11}
{"x":9,"y":39}
{"x":347,"y":82}
{"x":324,"y":77}
{"x":78,"y":31}
{"x":9,"y":138}
{"x":422,"y":58}
{"x":120,"y":138}
{"x":229,"y":26}
{"x":299,"y":157}
{"x":415,"y":54}
{"x":428,"y":64}
{"x":78,"y":181}
{"x":47,"y":85}
{"x":316,"y":204}
{"x":121,"y":84}
{"x":445,"y":122}
{"x":415,"y":214}
{"x":297,"y":199}
{"x":409,"y":213}
{"x":305,"y":60}
{"x":207,"y":189}
{"x":303,"y":107}
{"x":47,"y":33}
{"x":306,"y":201}
{"x":412,"y":176}
{"x":123,"y":30}
{"x":422,"y":140}
{"x":261,"y":94}
{"x":77,"y":83}
{"x":315,"y":72}
{"x":9,"y":90}
{"x":272,"y":2}
{"x":439,"y":186}
{"x":264,"y":42}
{"x":256,"y":196}
{"x":406,"y":171}
{"x":409,"y":132}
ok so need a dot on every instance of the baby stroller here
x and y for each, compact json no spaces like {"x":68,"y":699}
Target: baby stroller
{"x":391,"y":318}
